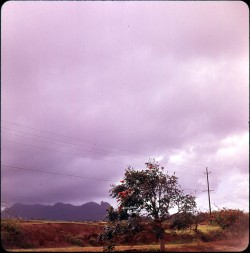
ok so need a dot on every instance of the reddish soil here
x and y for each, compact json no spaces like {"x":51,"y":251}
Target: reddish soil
{"x":55,"y":234}
{"x":45,"y":235}
{"x":59,"y":235}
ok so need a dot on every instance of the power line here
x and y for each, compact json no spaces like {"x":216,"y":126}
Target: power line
{"x":229,"y":199}
{"x":92,"y":178}
{"x":87,"y":150}
{"x":81,"y":140}
{"x":68,"y":143}
{"x":182,"y":172}
{"x":64,"y":174}
{"x":135,"y":153}
{"x":50,"y":149}
{"x":51,"y":142}
{"x":55,"y":173}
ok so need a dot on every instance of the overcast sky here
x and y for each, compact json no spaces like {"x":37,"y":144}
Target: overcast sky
{"x":89,"y":88}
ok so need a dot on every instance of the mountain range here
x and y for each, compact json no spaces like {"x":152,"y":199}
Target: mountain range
{"x":89,"y":211}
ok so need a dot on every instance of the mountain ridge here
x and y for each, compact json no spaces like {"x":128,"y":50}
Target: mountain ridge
{"x":90,"y":211}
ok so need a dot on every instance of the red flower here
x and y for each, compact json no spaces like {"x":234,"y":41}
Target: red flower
{"x":122,"y":194}
{"x":122,"y":181}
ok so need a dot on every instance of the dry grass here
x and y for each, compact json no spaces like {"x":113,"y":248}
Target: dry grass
{"x":219,"y":246}
{"x":208,"y":228}
{"x":176,"y":245}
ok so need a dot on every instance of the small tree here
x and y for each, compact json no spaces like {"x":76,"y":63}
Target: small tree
{"x":153,"y":194}
{"x":232,"y":221}
{"x":121,"y":226}
{"x":183,"y":221}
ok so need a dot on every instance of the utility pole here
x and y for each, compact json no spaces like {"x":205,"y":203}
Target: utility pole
{"x":208,"y":190}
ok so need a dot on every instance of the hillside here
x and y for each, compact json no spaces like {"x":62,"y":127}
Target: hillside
{"x":89,"y":211}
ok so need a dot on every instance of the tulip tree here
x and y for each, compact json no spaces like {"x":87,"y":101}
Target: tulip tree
{"x":151,"y":193}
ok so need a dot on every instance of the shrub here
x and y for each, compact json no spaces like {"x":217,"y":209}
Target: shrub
{"x":12,"y":234}
{"x":213,"y":235}
{"x":109,"y":248}
{"x":182,"y":221}
{"x":74,"y":239}
{"x":93,"y":241}
{"x":234,"y":222}
{"x":11,"y":226}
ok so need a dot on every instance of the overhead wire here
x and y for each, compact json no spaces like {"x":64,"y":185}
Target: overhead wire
{"x":63,"y":174}
{"x":93,"y":178}
{"x":59,"y":141}
{"x":229,"y":199}
{"x":50,"y":149}
{"x":55,"y":173}
{"x":76,"y":154}
{"x":70,"y":137}
{"x":135,"y":153}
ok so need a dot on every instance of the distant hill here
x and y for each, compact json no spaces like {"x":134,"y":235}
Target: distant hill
{"x":89,"y":211}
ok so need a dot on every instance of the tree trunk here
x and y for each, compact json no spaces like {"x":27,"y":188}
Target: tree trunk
{"x":162,"y":245}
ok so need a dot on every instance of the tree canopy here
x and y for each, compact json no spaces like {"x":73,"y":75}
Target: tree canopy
{"x":150,"y":193}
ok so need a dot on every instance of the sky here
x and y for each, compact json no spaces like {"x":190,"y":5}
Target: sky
{"x":89,"y":88}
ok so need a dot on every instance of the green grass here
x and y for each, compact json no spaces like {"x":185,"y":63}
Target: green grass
{"x":206,"y":229}
{"x":180,"y":232}
{"x":203,"y":228}
{"x":187,"y":247}
{"x":181,"y":243}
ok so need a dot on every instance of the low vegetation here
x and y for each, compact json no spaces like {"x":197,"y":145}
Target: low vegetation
{"x":12,"y":234}
{"x":140,"y":223}
{"x":18,"y":235}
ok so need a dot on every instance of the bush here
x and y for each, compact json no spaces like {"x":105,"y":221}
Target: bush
{"x":74,"y":239}
{"x":213,"y":235}
{"x":12,"y":234}
{"x":182,"y":221}
{"x":11,"y":226}
{"x":109,"y":248}
{"x":234,"y":222}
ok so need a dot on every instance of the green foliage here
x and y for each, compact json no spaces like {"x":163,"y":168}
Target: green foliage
{"x":232,"y":221}
{"x":11,"y":226}
{"x":112,"y":214}
{"x":12,"y":234}
{"x":149,"y":193}
{"x":211,"y":236}
{"x":74,"y":239}
{"x":182,"y":221}
{"x":121,"y":230}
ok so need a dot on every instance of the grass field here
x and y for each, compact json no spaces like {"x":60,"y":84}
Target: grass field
{"x":203,"y":228}
{"x":49,"y":236}
{"x":185,"y":247}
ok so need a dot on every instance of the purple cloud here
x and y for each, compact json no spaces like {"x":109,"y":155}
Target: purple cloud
{"x":126,"y":81}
